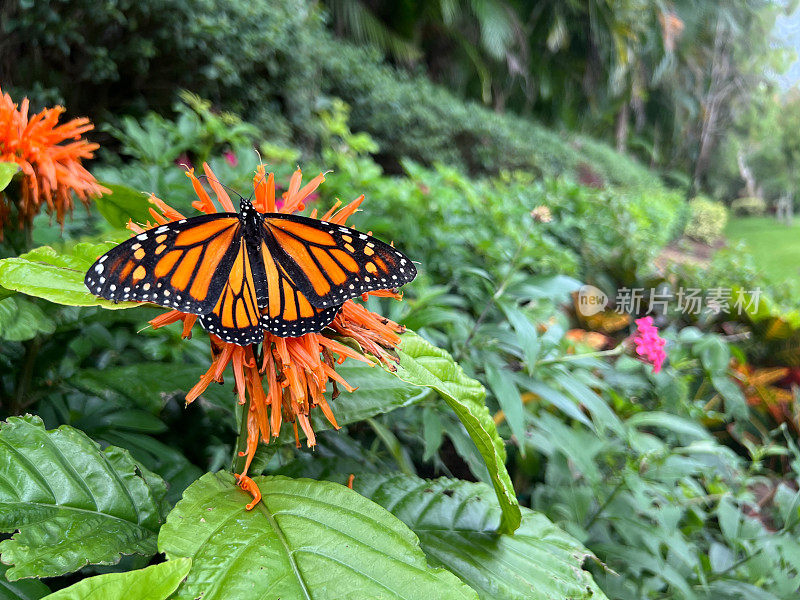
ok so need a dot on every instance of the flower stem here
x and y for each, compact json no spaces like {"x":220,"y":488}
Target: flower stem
{"x":570,"y":357}
{"x":238,"y":460}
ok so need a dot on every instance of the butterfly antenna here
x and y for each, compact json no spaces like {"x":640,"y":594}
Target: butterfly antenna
{"x":230,"y":189}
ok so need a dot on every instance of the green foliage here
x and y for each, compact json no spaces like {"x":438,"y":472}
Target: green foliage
{"x":192,"y":136}
{"x":411,"y":117}
{"x":303,"y":537}
{"x":752,"y":207}
{"x":651,"y":494}
{"x":667,"y":478}
{"x":457,"y":531}
{"x":21,"y":319}
{"x":267,"y":64}
{"x":57,"y":277}
{"x":282,"y":68}
{"x":122,"y":205}
{"x":424,"y":364}
{"x":22,"y":589}
{"x":153,"y":583}
{"x":72,"y":503}
{"x":707,"y":220}
{"x":7,"y":172}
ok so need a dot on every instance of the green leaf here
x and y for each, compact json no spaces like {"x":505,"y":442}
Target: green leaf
{"x":456,"y":524}
{"x":729,"y":518}
{"x":377,"y":393}
{"x":123,"y":204}
{"x":72,"y":503}
{"x":21,"y":319}
{"x":735,"y":403}
{"x":507,"y":395}
{"x":426,"y":365}
{"x":670,"y":422}
{"x":7,"y":172}
{"x":557,"y":399}
{"x":590,"y":399}
{"x":152,"y":583}
{"x":526,"y":334}
{"x":44,"y":273}
{"x":25,"y":589}
{"x":304,"y":539}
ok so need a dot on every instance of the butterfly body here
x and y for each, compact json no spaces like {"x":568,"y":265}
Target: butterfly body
{"x":246,"y":272}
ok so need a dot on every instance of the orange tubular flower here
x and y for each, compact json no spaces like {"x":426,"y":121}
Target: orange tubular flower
{"x":289,"y":377}
{"x":52,"y":169}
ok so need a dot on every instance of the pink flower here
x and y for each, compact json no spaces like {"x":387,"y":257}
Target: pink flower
{"x":648,"y":344}
{"x":230,"y":158}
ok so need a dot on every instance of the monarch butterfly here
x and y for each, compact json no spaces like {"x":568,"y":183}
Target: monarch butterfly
{"x":245,"y":272}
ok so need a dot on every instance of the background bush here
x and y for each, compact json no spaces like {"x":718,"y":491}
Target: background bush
{"x":707,"y":220}
{"x":753,"y":207}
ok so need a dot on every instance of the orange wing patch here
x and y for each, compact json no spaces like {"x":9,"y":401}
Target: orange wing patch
{"x":235,"y":317}
{"x":176,"y":265}
{"x":328,"y":263}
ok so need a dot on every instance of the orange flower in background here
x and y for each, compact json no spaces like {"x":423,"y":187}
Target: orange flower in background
{"x":52,"y":170}
{"x":290,"y":375}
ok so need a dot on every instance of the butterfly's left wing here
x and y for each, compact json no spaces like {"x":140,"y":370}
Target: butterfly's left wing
{"x":329,"y":263}
{"x":199,"y":265}
{"x":181,"y":265}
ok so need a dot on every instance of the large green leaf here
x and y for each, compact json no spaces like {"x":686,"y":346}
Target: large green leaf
{"x":57,"y":277}
{"x":152,"y":583}
{"x":72,"y":503}
{"x":123,"y":204}
{"x":7,"y":172}
{"x":426,"y":365}
{"x":305,"y":539}
{"x":456,"y":523}
{"x":21,"y":319}
{"x":377,"y":393}
{"x":25,"y":589}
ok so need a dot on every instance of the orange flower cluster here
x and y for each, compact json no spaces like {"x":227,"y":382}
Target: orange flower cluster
{"x":291,"y":375}
{"x":52,"y":170}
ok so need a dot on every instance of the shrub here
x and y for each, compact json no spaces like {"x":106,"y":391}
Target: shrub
{"x":707,"y":220}
{"x":749,"y":207}
{"x":274,"y":63}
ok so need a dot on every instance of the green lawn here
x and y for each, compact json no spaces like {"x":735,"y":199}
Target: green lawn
{"x":775,"y":247}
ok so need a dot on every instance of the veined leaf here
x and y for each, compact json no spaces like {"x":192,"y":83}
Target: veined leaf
{"x":456,"y":523}
{"x":72,"y":503}
{"x":21,"y":319}
{"x":7,"y":172}
{"x":304,"y":536}
{"x":152,"y":583}
{"x":426,"y":365}
{"x":24,"y":589}
{"x":44,"y":273}
{"x":123,"y":204}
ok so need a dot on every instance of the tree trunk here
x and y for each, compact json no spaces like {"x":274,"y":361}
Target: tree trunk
{"x":747,"y":175}
{"x":622,"y":127}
